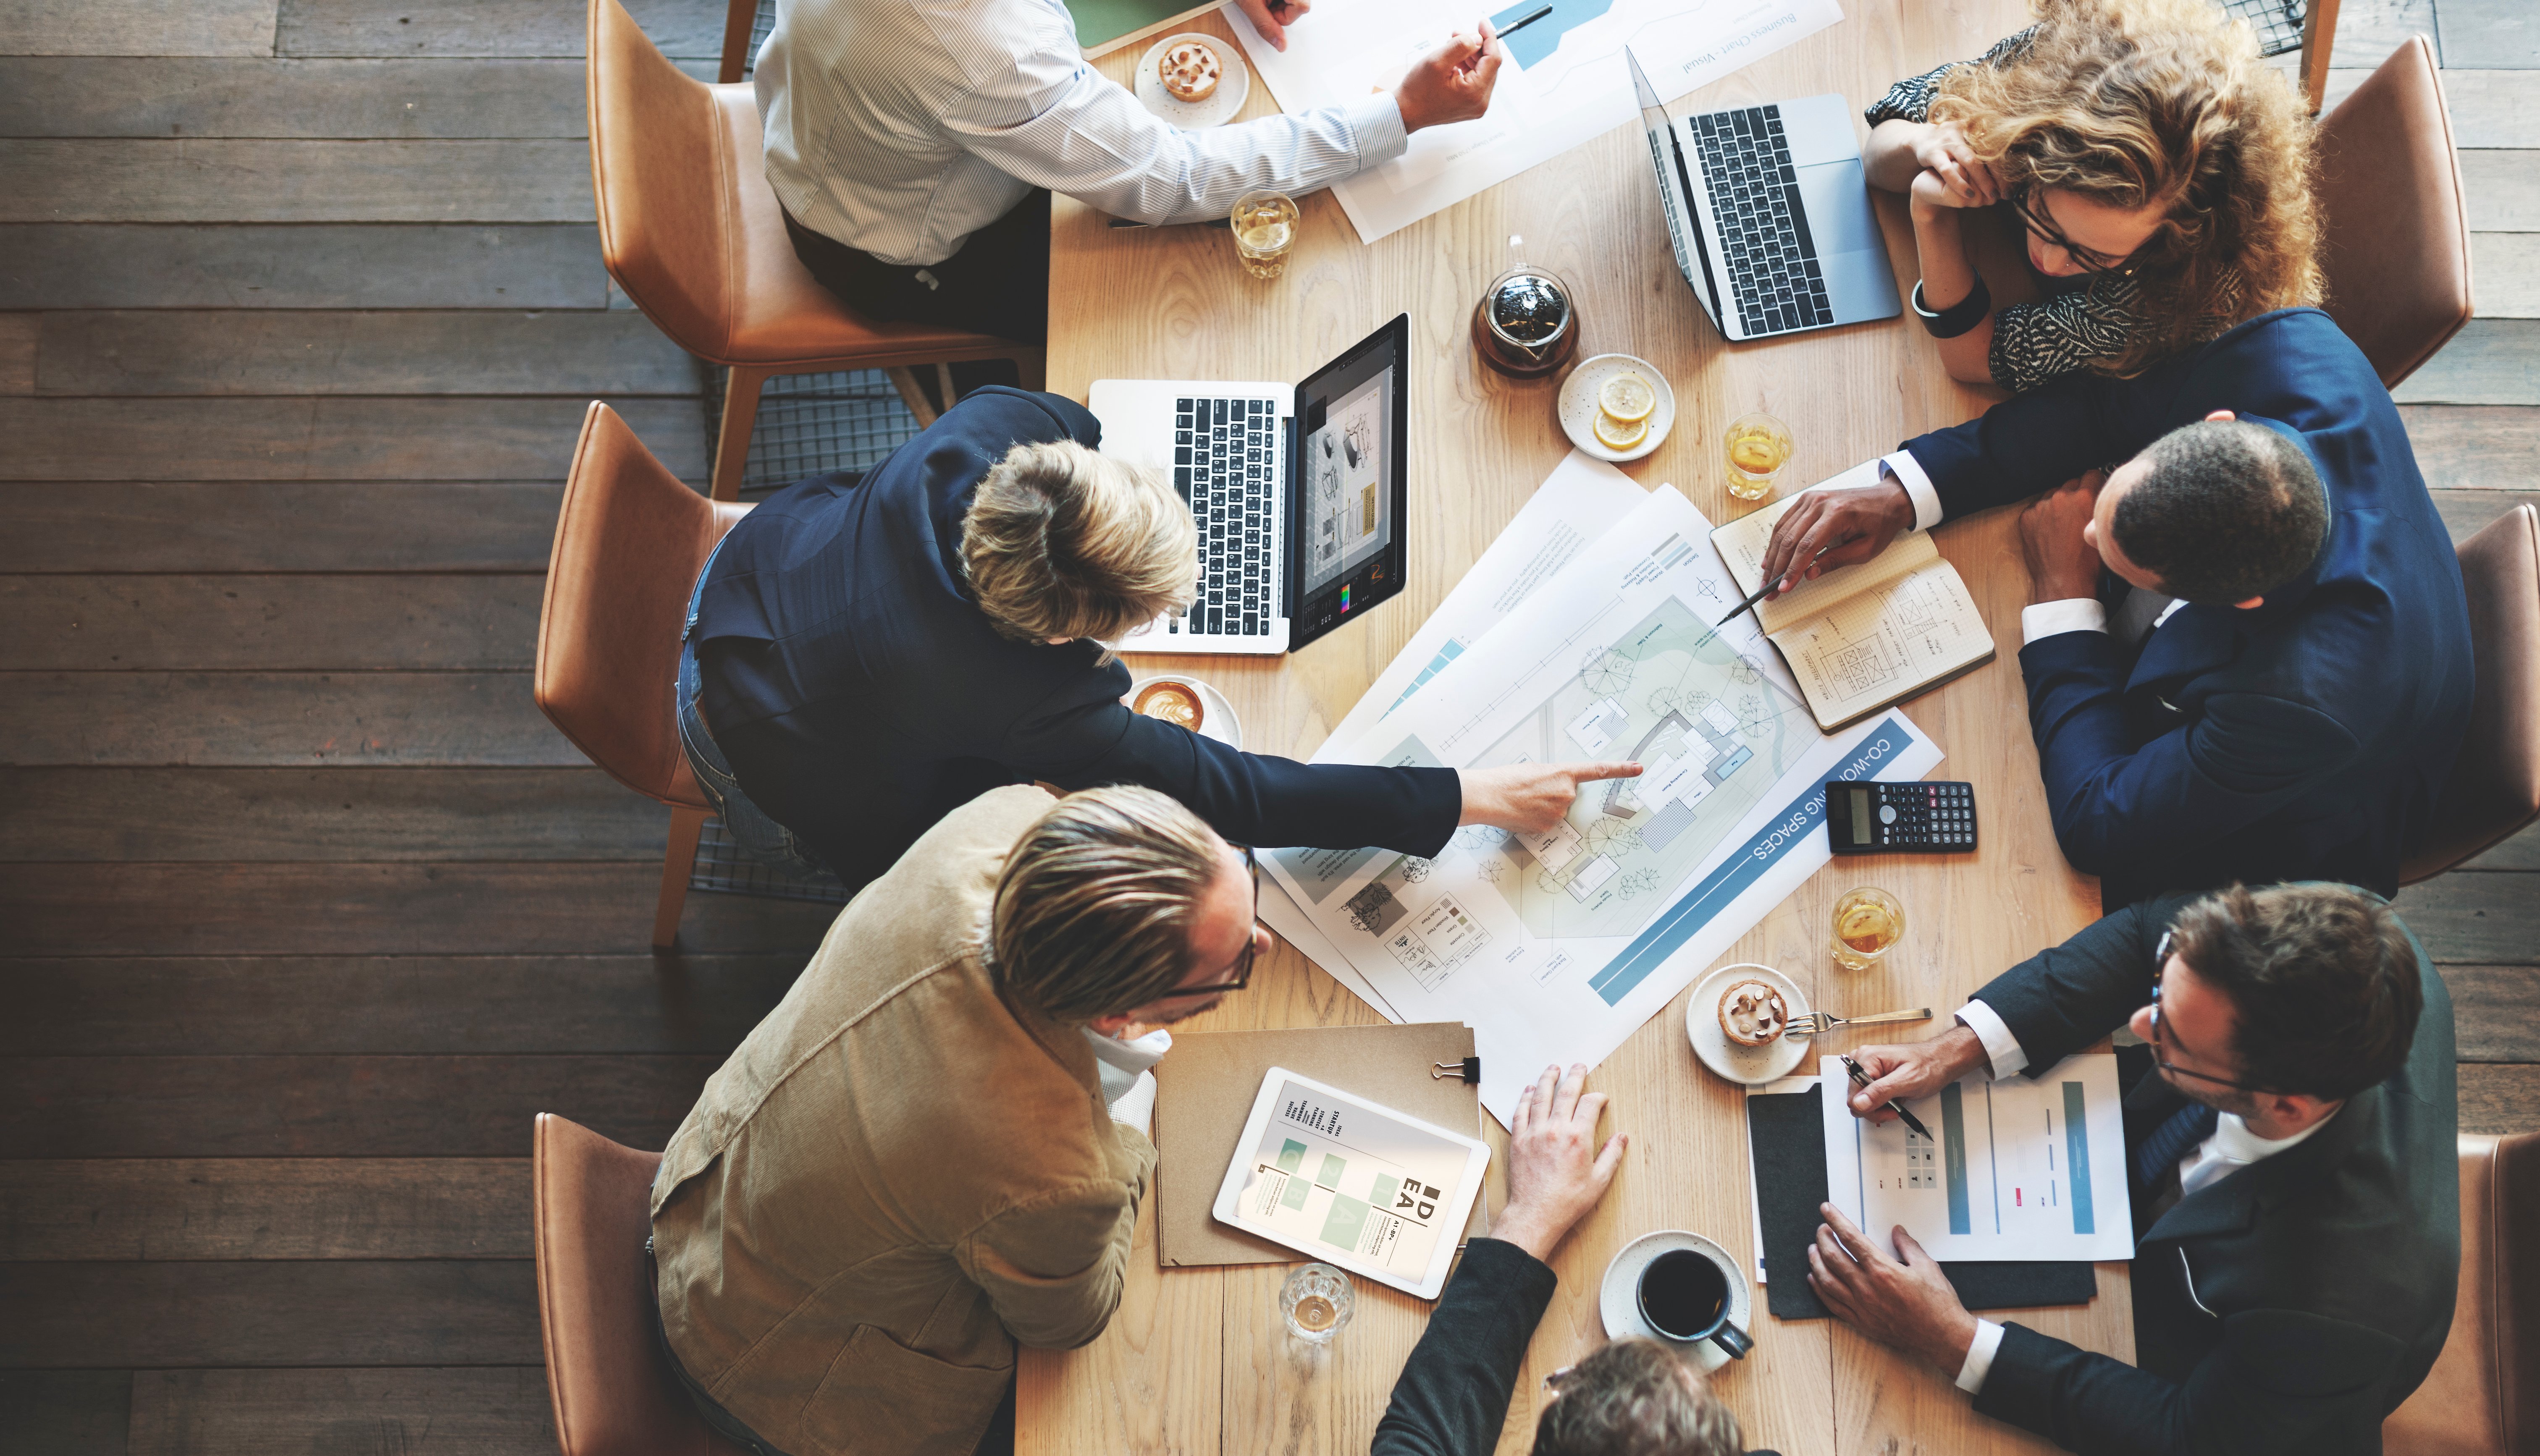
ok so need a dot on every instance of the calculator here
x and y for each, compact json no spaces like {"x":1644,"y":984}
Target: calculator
{"x":1874,"y":818}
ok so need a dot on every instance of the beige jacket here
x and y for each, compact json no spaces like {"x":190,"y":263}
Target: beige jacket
{"x":895,"y":1178}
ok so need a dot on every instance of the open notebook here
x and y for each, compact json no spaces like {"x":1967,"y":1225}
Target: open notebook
{"x":1862,"y":637}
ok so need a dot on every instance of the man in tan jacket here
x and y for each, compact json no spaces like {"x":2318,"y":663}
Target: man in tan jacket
{"x":908,"y":1166}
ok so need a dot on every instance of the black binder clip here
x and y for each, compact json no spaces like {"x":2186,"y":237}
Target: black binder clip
{"x":1468,"y":1071}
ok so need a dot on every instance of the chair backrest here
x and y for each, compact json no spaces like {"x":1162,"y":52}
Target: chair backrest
{"x":2395,"y":236}
{"x":2483,"y":1398}
{"x":629,"y":543}
{"x":661,"y":171}
{"x":614,"y":1393}
{"x":2495,"y":787}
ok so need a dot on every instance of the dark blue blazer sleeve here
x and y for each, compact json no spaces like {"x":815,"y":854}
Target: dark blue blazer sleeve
{"x":2114,"y":806}
{"x":2030,"y":442}
{"x":2282,"y":1381}
{"x":1454,"y":1394}
{"x":1084,"y":736}
{"x":2067,"y":996}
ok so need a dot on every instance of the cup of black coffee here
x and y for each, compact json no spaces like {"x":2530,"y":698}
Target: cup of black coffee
{"x":1684,"y":1296}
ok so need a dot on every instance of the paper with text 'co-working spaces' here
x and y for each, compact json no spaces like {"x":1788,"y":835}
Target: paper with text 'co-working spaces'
{"x":1565,"y":82}
{"x":1556,"y":946}
{"x":2025,"y":1168}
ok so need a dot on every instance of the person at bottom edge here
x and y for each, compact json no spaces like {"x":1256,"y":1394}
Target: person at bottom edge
{"x":2295,"y":1185}
{"x":909,"y":1168}
{"x":864,"y":655}
{"x":1632,"y":1398}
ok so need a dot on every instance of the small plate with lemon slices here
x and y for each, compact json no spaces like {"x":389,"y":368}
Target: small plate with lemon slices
{"x":1616,"y":407}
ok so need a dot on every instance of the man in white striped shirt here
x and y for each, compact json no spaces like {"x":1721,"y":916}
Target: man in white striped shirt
{"x":914,"y":144}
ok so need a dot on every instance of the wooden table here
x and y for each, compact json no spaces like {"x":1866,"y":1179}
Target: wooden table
{"x":1195,"y":1359}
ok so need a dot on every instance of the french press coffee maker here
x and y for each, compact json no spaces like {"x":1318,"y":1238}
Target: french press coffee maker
{"x":1527,"y":324}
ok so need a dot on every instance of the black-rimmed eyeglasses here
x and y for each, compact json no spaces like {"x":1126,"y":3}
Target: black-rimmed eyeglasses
{"x":2161,"y":1049}
{"x":2034,"y":217}
{"x":1243,"y":976}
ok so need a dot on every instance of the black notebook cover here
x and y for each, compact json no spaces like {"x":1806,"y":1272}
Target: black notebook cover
{"x":1786,"y":1136}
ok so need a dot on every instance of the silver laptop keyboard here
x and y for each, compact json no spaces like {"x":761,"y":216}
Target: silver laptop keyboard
{"x":1772,"y":260}
{"x":1224,"y":451}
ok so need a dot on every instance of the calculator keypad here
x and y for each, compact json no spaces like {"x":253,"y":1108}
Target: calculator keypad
{"x":1926,"y":817}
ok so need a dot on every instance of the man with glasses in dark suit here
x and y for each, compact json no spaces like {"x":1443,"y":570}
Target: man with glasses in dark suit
{"x":912,"y":1165}
{"x":2290,"y":1127}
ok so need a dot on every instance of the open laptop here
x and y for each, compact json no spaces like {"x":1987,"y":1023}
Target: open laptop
{"x":1299,"y":490}
{"x":1770,"y":214}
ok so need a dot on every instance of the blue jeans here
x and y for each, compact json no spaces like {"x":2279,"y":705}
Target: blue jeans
{"x":760,"y":837}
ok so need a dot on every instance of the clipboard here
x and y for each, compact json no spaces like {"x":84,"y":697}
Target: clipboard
{"x":1205,"y":1090}
{"x":1786,"y":1138}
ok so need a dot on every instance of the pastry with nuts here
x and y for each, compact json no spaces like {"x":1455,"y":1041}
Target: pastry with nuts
{"x":1190,"y":71}
{"x":1752,"y":1013}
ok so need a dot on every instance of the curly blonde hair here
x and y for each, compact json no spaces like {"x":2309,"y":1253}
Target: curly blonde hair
{"x":2159,"y":103}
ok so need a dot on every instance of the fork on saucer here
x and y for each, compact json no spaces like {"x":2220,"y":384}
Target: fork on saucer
{"x":1818,"y":1023}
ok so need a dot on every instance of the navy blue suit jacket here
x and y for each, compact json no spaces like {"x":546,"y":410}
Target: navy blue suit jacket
{"x":860,"y":694}
{"x":2284,"y":1308}
{"x":2302,"y":739}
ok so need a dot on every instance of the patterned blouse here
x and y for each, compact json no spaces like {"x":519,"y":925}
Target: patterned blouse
{"x":2083,"y":318}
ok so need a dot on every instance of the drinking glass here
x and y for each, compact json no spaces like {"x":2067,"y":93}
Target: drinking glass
{"x":1316,"y":1301}
{"x":1758,"y":446}
{"x":1265,"y":226}
{"x":1866,"y":922}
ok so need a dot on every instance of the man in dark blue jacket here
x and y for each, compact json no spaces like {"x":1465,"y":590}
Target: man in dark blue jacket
{"x":2277,"y":679}
{"x":865,"y":655}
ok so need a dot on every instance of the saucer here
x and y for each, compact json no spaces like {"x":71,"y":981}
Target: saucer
{"x":1579,"y":409}
{"x":1216,"y":715}
{"x":1753,"y":1065}
{"x":1618,"y":1299}
{"x":1222,"y":104}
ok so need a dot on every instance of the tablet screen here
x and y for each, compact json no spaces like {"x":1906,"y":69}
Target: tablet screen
{"x":1351,"y":485}
{"x":1339,"y":1178}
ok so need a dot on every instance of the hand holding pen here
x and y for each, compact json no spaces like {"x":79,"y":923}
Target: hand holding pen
{"x":1886,"y":1077}
{"x":1860,"y":1078}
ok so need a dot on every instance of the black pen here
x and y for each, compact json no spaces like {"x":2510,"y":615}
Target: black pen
{"x":1860,"y":1078}
{"x":1204,"y":223}
{"x":1767,"y":588}
{"x":1525,"y":20}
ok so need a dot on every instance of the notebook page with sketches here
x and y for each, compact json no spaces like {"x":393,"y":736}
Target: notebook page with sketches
{"x":2022,"y":1168}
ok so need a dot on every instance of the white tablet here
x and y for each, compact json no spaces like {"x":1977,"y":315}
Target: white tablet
{"x":1355,"y":1185}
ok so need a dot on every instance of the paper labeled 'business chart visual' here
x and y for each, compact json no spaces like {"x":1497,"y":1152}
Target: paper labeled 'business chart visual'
{"x":1565,"y":82}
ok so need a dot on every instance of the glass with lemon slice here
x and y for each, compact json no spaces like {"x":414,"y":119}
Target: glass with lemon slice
{"x":1758,"y":446}
{"x":1624,"y":404}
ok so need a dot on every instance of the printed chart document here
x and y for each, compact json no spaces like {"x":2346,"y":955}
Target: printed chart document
{"x":2025,"y":1168}
{"x":1351,"y":1183}
{"x":1556,"y":946}
{"x":1565,"y":80}
{"x":1862,"y":637}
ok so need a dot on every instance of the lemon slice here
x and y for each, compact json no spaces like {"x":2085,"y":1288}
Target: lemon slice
{"x":1614,"y":434}
{"x":1626,"y":398}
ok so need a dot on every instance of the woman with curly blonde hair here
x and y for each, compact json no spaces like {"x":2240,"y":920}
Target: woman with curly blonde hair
{"x":2159,"y":172}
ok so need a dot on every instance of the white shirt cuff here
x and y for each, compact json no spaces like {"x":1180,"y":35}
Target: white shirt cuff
{"x":2002,"y":1049}
{"x":1136,"y":1107}
{"x":1375,"y":128}
{"x":2054,"y":618}
{"x":1917,"y":488}
{"x":1980,"y":1353}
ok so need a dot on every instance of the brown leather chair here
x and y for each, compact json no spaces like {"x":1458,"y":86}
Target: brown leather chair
{"x":629,"y":543}
{"x":615,"y":1392}
{"x":2395,"y":236}
{"x":690,"y":229}
{"x":2495,"y":787}
{"x":2483,"y":1398}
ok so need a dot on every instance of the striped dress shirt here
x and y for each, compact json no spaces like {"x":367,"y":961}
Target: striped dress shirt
{"x":902,"y":127}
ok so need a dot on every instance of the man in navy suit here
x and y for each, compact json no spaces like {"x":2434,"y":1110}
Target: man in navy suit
{"x":2284,"y":678}
{"x":865,"y":655}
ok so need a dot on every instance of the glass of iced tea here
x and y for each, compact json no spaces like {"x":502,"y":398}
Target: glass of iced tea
{"x":1866,"y":922}
{"x":1265,"y":226}
{"x":1758,"y":446}
{"x":1316,"y":1301}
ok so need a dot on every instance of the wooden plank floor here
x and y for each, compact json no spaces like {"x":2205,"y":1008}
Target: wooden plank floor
{"x":303,"y":910}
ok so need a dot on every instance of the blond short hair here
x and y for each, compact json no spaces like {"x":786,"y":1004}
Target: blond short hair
{"x":1094,"y":910}
{"x":1063,"y":542}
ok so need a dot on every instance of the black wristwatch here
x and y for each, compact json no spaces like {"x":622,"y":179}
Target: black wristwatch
{"x":1958,"y":317}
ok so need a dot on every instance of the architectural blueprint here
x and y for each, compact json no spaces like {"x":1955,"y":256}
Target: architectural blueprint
{"x":1555,"y":947}
{"x":1564,"y":83}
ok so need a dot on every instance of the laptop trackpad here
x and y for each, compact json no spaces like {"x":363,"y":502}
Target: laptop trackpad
{"x":1837,"y":198}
